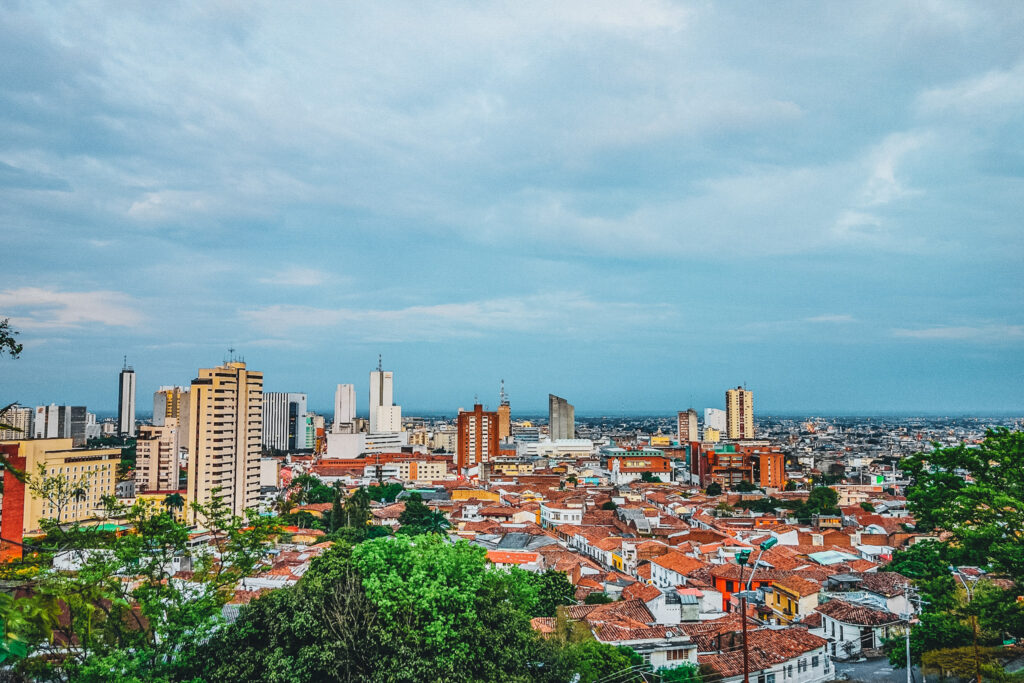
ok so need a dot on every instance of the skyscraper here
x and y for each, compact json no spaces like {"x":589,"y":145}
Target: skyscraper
{"x":126,"y":401}
{"x":739,"y":413}
{"x":225,"y":423}
{"x":504,"y":415}
{"x":156,"y":459}
{"x":561,"y":418}
{"x":63,"y":422}
{"x":285,"y":421}
{"x":20,"y":418}
{"x":477,"y":440}
{"x":715,"y":419}
{"x":385,"y":416}
{"x":344,"y":409}
{"x":167,"y":403}
{"x":686,"y":428}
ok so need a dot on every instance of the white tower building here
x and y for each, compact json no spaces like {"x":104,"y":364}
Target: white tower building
{"x":385,"y":416}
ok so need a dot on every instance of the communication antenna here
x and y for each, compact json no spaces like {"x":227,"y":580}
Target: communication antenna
{"x":380,"y":363}
{"x":502,"y":395}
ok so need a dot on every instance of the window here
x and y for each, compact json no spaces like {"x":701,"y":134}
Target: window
{"x":728,"y":586}
{"x":770,"y":678}
{"x":814,"y":661}
{"x":840,"y":631}
{"x":789,"y":671}
{"x":675,"y":655}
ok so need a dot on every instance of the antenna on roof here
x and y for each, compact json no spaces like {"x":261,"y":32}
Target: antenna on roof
{"x":502,"y":395}
{"x":380,"y":363}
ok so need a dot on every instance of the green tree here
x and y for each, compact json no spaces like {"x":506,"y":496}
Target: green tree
{"x":553,"y":589}
{"x":649,"y":477}
{"x":714,"y":489}
{"x":385,"y":493}
{"x":8,"y":344}
{"x":357,"y":509}
{"x":609,"y":505}
{"x":867,"y":507}
{"x":821,"y":501}
{"x":128,"y":619}
{"x":597,"y":599}
{"x":977,"y":494}
{"x":790,"y":486}
{"x":745,"y":487}
{"x":337,"y":518}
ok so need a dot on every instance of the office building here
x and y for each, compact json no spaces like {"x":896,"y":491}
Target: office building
{"x":561,"y":419}
{"x":156,"y":456}
{"x":92,"y":470}
{"x":504,"y":415}
{"x":286,"y":424}
{"x":167,"y":403}
{"x":477,"y":440}
{"x":126,"y":401}
{"x":225,"y":426}
{"x":385,"y":416}
{"x":64,"y":422}
{"x":739,"y":413}
{"x":20,"y":419}
{"x":686,"y":427}
{"x":344,"y":409}
{"x":715,"y":419}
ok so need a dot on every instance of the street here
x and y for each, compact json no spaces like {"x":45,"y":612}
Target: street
{"x":876,"y":670}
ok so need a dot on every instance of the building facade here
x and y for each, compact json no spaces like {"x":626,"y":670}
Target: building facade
{"x":167,"y":402}
{"x":344,"y":409}
{"x":686,"y":427}
{"x":286,"y":425}
{"x":385,"y":416}
{"x":126,"y":402}
{"x":739,"y":413}
{"x":20,"y":418}
{"x":561,"y":418}
{"x":477,"y":440}
{"x":225,"y":425}
{"x":156,"y":456}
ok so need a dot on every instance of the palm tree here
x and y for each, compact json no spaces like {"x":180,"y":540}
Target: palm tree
{"x":174,"y":502}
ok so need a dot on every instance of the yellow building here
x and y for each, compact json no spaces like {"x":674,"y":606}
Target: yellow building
{"x":93,"y":471}
{"x":223,"y":432}
{"x":739,"y":413}
{"x":712,"y":435}
{"x":793,"y":598}
{"x":479,"y":494}
{"x":156,"y":499}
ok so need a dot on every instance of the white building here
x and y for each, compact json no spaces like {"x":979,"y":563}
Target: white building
{"x":126,"y":402}
{"x":715,"y":418}
{"x":348,"y":446}
{"x":344,"y":408}
{"x":385,"y":416}
{"x":285,"y":423}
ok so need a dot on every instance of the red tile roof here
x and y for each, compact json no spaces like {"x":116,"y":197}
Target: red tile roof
{"x":858,"y":615}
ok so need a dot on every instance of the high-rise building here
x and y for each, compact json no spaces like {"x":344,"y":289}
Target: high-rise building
{"x":156,"y":456}
{"x":225,"y":425}
{"x":739,"y":413}
{"x":504,"y":415}
{"x":477,"y":440}
{"x":167,"y":402}
{"x":126,"y":401}
{"x":286,"y":426}
{"x":686,"y":428}
{"x":64,"y":422}
{"x":385,"y":416}
{"x":344,"y":409}
{"x":20,"y":419}
{"x":715,"y":419}
{"x":561,"y":418}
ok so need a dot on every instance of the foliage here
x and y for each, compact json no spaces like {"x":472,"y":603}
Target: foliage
{"x":745,"y":487}
{"x":308,"y":489}
{"x":977,"y":494}
{"x":137,"y":630}
{"x":821,"y":501}
{"x":399,"y":609}
{"x":714,"y":489}
{"x":598,"y":598}
{"x":867,"y":507}
{"x":385,"y":492}
{"x":790,"y":486}
{"x":685,"y":673}
{"x":8,"y":343}
{"x":609,"y":505}
{"x":960,"y":662}
{"x":553,"y":589}
{"x":649,"y":477}
{"x":418,"y":519}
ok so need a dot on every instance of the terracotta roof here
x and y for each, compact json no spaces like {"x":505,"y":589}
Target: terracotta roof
{"x":505,"y":557}
{"x":798,"y":586}
{"x":767,"y":648}
{"x":543,"y":625}
{"x":677,"y":562}
{"x":858,"y":615}
{"x":641,"y":591}
{"x":632,"y":610}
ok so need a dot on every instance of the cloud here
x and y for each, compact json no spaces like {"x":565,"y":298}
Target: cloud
{"x":296,"y":276}
{"x":19,"y":178}
{"x":545,"y":315}
{"x":39,"y":308}
{"x":995,"y":91}
{"x":994,"y":333}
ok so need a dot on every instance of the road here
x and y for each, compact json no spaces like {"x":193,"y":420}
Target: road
{"x":877,"y":670}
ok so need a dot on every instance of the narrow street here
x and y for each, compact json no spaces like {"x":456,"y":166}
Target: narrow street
{"x":877,"y":670}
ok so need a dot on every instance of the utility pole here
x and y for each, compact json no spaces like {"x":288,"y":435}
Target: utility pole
{"x":974,"y":622}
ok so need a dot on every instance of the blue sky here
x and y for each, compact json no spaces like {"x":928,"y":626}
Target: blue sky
{"x":633,"y":205}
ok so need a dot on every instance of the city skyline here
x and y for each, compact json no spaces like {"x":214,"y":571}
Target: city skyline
{"x":633,"y":206}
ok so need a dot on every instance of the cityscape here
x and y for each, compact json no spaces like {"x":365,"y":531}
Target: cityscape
{"x":617,"y":341}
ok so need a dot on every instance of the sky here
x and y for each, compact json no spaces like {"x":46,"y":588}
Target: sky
{"x":634,"y":205}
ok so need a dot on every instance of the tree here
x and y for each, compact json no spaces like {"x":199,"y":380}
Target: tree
{"x":977,"y":494}
{"x":337,"y":518}
{"x":867,"y":507}
{"x":649,"y":478}
{"x":385,"y":493}
{"x":597,"y":599}
{"x":790,"y":486}
{"x":8,"y":343}
{"x":745,"y":487}
{"x":141,"y":628}
{"x":609,"y":505}
{"x":553,"y":589}
{"x":714,"y":489}
{"x":821,"y":501}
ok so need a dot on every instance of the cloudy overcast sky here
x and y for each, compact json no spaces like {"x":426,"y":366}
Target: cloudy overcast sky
{"x":633,"y":205}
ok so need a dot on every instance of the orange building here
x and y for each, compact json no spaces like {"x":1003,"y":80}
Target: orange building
{"x":477,"y":437}
{"x":761,"y":465}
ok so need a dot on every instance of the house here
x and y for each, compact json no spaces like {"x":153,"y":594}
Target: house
{"x":789,"y":655}
{"x":672,"y":568}
{"x":793,"y":598}
{"x":631,"y":624}
{"x":852,"y":628}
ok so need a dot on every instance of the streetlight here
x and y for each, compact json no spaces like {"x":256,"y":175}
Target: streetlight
{"x":974,"y":620}
{"x":742,"y":557}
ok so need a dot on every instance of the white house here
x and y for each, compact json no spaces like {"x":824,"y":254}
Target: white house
{"x":851,"y":628}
